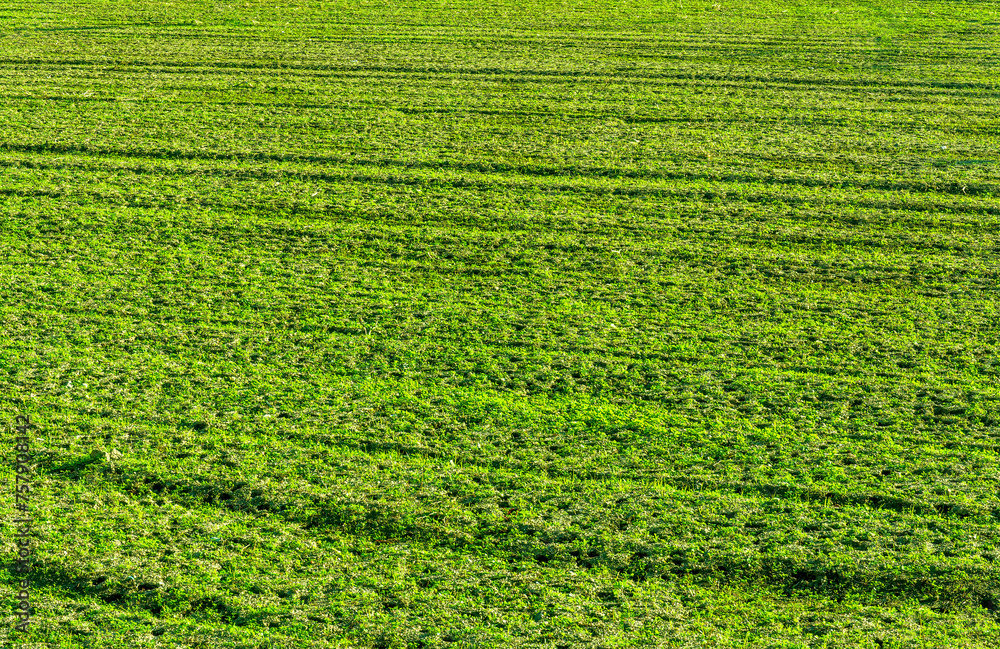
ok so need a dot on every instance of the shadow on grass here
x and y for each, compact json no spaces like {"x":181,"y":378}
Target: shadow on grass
{"x":153,"y":598}
{"x":935,"y":583}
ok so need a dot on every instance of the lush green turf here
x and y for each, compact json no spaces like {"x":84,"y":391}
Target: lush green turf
{"x":475,"y":324}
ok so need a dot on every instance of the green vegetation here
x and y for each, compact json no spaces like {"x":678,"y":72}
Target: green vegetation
{"x":486,"y":324}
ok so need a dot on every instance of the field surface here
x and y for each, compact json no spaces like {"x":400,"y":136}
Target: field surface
{"x":503,"y":323}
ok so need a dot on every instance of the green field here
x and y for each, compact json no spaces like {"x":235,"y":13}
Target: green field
{"x":503,"y":323}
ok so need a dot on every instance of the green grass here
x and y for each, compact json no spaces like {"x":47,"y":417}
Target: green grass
{"x":483,"y":324}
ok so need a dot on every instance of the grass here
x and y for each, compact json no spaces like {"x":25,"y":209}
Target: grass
{"x":455,"y":324}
